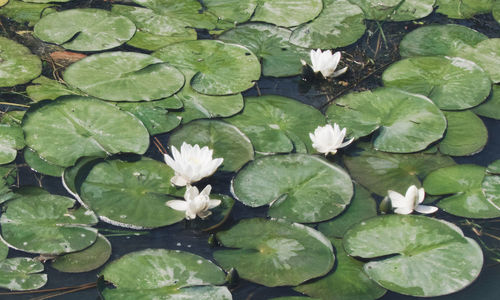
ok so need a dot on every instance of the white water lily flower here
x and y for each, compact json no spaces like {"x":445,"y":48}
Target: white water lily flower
{"x":191,"y":164}
{"x":196,"y":204}
{"x":404,"y":205}
{"x":326,"y":63}
{"x":327,"y":139}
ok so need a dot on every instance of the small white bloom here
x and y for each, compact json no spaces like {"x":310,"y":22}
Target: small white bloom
{"x":191,"y":164}
{"x":327,"y":139}
{"x":326,"y":63}
{"x":195,"y":204}
{"x":404,"y":205}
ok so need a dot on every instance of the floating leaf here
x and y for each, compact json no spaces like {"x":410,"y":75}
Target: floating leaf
{"x":17,"y":64}
{"x":496,"y":11}
{"x":46,"y":1}
{"x":287,"y":13}
{"x":339,"y":24}
{"x":12,"y":118}
{"x":395,"y":10}
{"x":224,"y":139}
{"x":487,"y":55}
{"x":38,"y":164}
{"x":8,"y":175}
{"x":20,"y":274}
{"x":465,"y":183}
{"x":11,"y":140}
{"x":64,"y":130}
{"x":463,"y":9}
{"x":494,"y":167}
{"x":164,"y":274}
{"x":466,"y":134}
{"x":22,"y":12}
{"x":48,"y":89}
{"x":130,"y":194}
{"x":490,"y":108}
{"x":381,"y":171}
{"x":232,"y":11}
{"x":418,"y":256}
{"x":298,"y":187}
{"x":275,"y":252}
{"x":215,"y":68}
{"x":4,"y":251}
{"x":124,"y":76}
{"x":277,"y":124}
{"x":85,"y":260}
{"x":452,"y":83}
{"x":45,"y":223}
{"x":402,"y":122}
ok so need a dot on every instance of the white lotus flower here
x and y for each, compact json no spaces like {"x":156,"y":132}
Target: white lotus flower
{"x":191,"y":164}
{"x":327,"y":139}
{"x":326,"y":63}
{"x":196,"y":204}
{"x":404,"y":205}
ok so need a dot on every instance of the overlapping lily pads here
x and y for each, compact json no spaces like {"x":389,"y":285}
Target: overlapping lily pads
{"x":278,"y":124}
{"x":275,"y":252}
{"x":38,"y":164}
{"x":21,"y":12}
{"x":402,"y":122}
{"x":395,"y":10}
{"x":215,"y":68}
{"x":44,"y":88}
{"x":64,"y":130}
{"x":11,"y":140}
{"x":45,"y":223}
{"x":17,"y":64}
{"x":297,"y":187}
{"x":463,"y":9}
{"x":418,"y":256}
{"x":490,"y":108}
{"x":164,"y":274}
{"x":124,"y":76}
{"x":487,"y":55}
{"x":466,"y":134}
{"x":85,"y":29}
{"x":21,"y":273}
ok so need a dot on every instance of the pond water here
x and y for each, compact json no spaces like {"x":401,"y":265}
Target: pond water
{"x":367,"y":59}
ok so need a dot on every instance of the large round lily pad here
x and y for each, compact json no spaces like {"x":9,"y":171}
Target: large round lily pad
{"x":275,"y":252}
{"x":17,"y":64}
{"x":21,"y":273}
{"x":452,"y":83}
{"x":402,"y":122}
{"x":487,"y":55}
{"x":491,"y":107}
{"x":216,"y":68}
{"x":277,"y":124}
{"x":466,"y":134}
{"x":45,"y":223}
{"x":395,"y":10}
{"x":339,"y":24}
{"x":11,"y":140}
{"x":124,"y":76}
{"x":287,"y":13}
{"x":86,"y":29}
{"x":465,"y":184}
{"x":380,"y":171}
{"x":130,"y":194}
{"x":164,"y":274}
{"x":463,"y":9}
{"x":271,"y":44}
{"x":224,"y":139}
{"x":297,"y":187}
{"x":64,"y":130}
{"x":418,"y":255}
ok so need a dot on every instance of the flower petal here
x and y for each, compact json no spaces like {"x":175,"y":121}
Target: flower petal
{"x":397,"y":200}
{"x":177,"y":204}
{"x":179,"y":181}
{"x":426,"y":209}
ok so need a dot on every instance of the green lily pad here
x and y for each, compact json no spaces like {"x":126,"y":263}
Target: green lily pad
{"x":491,"y":189}
{"x":48,"y":89}
{"x":130,"y":194}
{"x":346,"y":282}
{"x":452,"y":83}
{"x":215,"y":68}
{"x":11,"y":140}
{"x":463,"y":9}
{"x":294,"y":298}
{"x":124,"y":76}
{"x":490,"y":108}
{"x":17,"y":64}
{"x":46,"y":1}
{"x":64,"y":130}
{"x":232,"y":11}
{"x":494,"y":167}
{"x":155,"y":115}
{"x":439,"y":40}
{"x":219,"y":214}
{"x":45,"y":223}
{"x":395,"y":10}
{"x":466,"y":134}
{"x":85,"y":260}
{"x":271,"y":45}
{"x":226,"y":140}
{"x":22,"y":12}
{"x":418,"y":256}
{"x":362,"y":207}
{"x":8,"y":175}
{"x":287,"y":13}
{"x":38,"y":164}
{"x":154,"y":31}
{"x":4,"y":251}
{"x":85,"y":29}
{"x":297,"y":187}
{"x":381,"y":171}
{"x":21,"y":273}
{"x":402,"y":122}
{"x":487,"y":55}
{"x":465,"y":183}
{"x":275,"y":252}
{"x":278,"y":124}
{"x":339,"y":24}
{"x":496,"y":11}
{"x":12,"y":118}
{"x":164,"y":274}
